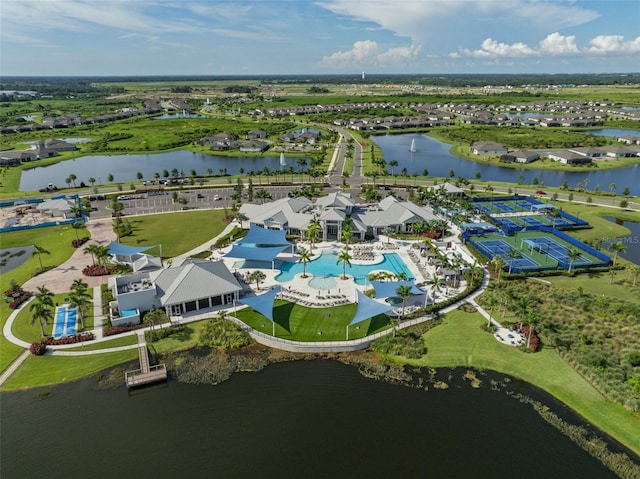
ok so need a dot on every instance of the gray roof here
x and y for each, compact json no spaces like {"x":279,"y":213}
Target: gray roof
{"x":193,"y":279}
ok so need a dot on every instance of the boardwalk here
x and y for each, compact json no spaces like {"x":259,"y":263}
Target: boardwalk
{"x":146,"y":374}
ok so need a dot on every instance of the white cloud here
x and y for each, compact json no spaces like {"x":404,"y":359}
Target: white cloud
{"x":362,"y":52}
{"x":613,"y":45}
{"x":493,"y":49}
{"x":553,"y":45}
{"x":366,"y":53}
{"x":423,"y":20}
{"x":559,"y":45}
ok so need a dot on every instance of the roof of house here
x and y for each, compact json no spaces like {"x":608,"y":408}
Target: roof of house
{"x":193,"y":279}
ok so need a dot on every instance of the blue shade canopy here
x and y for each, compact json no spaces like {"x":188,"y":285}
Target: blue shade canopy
{"x":255,"y":253}
{"x":120,"y":249}
{"x":264,"y":237}
{"x":263,"y":304}
{"x":368,"y":308}
{"x":385,"y":289}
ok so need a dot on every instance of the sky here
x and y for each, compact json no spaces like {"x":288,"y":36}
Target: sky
{"x":254,"y":37}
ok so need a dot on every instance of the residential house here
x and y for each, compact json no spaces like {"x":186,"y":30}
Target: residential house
{"x":488,"y":148}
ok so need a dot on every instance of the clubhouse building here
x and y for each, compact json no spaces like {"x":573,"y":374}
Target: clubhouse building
{"x":186,"y":286}
{"x":368,"y":220}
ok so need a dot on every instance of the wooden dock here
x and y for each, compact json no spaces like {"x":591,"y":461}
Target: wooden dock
{"x":146,"y":374}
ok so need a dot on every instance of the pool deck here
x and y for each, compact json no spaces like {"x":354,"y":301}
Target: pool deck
{"x":345,"y":289}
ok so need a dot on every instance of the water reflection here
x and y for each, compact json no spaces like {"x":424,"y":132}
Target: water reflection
{"x":300,"y":419}
{"x":434,"y":156}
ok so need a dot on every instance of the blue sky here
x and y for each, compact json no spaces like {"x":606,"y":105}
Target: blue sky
{"x":240,"y":37}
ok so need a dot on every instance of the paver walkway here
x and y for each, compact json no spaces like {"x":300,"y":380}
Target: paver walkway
{"x":60,"y":278}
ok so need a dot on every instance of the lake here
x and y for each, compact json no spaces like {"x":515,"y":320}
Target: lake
{"x":631,"y":242}
{"x":125,"y":167}
{"x":434,"y":155}
{"x":306,"y":419}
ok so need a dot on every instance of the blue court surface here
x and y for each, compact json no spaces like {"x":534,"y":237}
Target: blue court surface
{"x":554,"y":249}
{"x":64,"y":323}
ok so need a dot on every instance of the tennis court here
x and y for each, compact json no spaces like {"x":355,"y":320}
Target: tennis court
{"x":554,"y":249}
{"x":500,"y":247}
{"x":64,"y":321}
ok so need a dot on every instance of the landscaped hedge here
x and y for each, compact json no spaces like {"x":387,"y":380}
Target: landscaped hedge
{"x":122,"y":329}
{"x":38,"y":349}
{"x":97,"y":270}
{"x":75,"y":338}
{"x":17,"y":302}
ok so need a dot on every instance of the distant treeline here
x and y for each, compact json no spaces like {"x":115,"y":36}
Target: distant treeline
{"x":56,"y":87}
{"x":84,"y":84}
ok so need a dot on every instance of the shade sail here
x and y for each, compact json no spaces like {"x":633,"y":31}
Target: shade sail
{"x":263,"y":303}
{"x":385,"y":289}
{"x":368,"y":308}
{"x":263,"y":236}
{"x":120,"y":249}
{"x":267,"y":253}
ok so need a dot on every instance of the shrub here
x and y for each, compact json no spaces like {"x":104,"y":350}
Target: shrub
{"x":38,"y":349}
{"x":97,"y":270}
{"x":76,"y":243}
{"x":17,"y":302}
{"x":76,"y":338}
{"x":121,"y":329}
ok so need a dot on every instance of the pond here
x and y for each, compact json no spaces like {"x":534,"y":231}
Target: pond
{"x":614,"y":132}
{"x":124,"y":168}
{"x":630,"y":242}
{"x":312,"y":419}
{"x":433,"y":155}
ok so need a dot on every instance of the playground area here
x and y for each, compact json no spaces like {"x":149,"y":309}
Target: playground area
{"x":530,"y":251}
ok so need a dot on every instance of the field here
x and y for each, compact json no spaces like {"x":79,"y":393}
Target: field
{"x":176,"y":232}
{"x":299,"y":323}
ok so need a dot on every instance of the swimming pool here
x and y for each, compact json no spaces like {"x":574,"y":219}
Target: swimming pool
{"x":326,"y":265}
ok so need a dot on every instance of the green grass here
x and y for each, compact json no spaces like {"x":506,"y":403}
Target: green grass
{"x":460,"y":341}
{"x":299,"y":323}
{"x":110,"y":343}
{"x":46,"y":370}
{"x":176,"y":232}
{"x":57,"y":240}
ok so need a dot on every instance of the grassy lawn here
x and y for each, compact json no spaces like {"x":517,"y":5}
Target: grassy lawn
{"x":110,"y":343}
{"x":169,"y":230}
{"x":460,"y":341}
{"x":300,"y":323}
{"x":46,"y":370}
{"x":56,"y":240}
{"x":31,"y":333}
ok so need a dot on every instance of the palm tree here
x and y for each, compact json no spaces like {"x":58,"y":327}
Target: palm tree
{"x":78,"y":225}
{"x":257,"y":276}
{"x":223,"y":316}
{"x":512,"y":255}
{"x":92,"y":249}
{"x":532,"y":321}
{"x":102,"y":253}
{"x":436,"y":284}
{"x":346,"y":237}
{"x":615,"y":248}
{"x":573,"y":254}
{"x":492,"y":302}
{"x":393,"y":164}
{"x":42,"y":314}
{"x":305,"y":257}
{"x":263,"y":195}
{"x":73,"y":178}
{"x":312,"y":231}
{"x":39,"y":250}
{"x":44,"y":296}
{"x":91,"y":180}
{"x":404,"y":292}
{"x":345,"y":258}
{"x":498,"y":265}
{"x":80,"y":298}
{"x":613,"y":187}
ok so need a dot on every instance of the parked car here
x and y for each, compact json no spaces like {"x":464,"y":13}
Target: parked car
{"x":540,"y":192}
{"x":199,"y":196}
{"x":216,"y":198}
